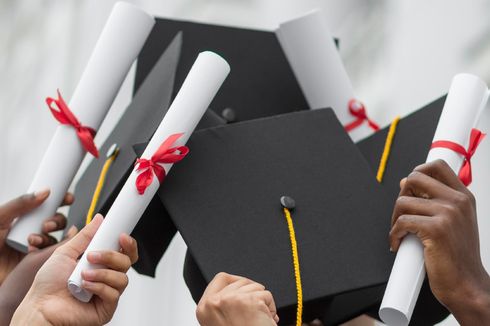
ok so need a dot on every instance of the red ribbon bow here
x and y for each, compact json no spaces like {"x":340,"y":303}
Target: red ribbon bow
{"x":475,"y":140}
{"x":164,"y":154}
{"x":66,"y":117}
{"x":358,"y":110}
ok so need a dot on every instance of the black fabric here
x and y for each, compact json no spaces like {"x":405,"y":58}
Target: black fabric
{"x":224,"y":200}
{"x":261,"y":82}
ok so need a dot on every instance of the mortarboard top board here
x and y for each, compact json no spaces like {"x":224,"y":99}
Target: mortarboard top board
{"x":262,"y":83}
{"x":411,"y":144}
{"x":136,"y":125}
{"x":224,"y":200}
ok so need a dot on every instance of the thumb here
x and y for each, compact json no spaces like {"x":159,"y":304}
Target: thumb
{"x":77,"y":245}
{"x":20,"y":206}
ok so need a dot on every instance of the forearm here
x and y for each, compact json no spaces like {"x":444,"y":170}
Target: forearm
{"x":473,"y":307}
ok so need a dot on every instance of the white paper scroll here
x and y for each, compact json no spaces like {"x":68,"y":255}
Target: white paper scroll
{"x":466,"y":98}
{"x":119,"y":44}
{"x":311,"y":51}
{"x":199,"y":88}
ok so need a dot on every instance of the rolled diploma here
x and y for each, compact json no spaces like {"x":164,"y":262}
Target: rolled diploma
{"x":118,"y":46}
{"x":315,"y":60}
{"x":467,"y":95}
{"x":199,"y":88}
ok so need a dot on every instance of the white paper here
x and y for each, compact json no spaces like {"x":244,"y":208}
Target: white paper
{"x":467,"y":96}
{"x":201,"y":85}
{"x":118,"y":46}
{"x":311,"y":51}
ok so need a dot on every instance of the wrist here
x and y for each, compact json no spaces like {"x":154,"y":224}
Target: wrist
{"x":28,"y":313}
{"x":472,"y":307}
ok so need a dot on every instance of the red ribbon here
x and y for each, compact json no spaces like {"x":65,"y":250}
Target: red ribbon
{"x":358,"y":110}
{"x":475,"y":140}
{"x":164,"y":154}
{"x":66,"y":117}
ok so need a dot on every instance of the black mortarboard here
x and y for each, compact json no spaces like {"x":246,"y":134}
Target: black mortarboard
{"x":224,"y":199}
{"x":411,"y":143}
{"x":137,"y":125}
{"x":262,"y":83}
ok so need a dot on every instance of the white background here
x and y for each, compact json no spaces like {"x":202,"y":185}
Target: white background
{"x":399,"y":54}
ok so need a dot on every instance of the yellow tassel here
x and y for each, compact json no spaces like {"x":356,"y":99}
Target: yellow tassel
{"x":100,"y":185}
{"x":387,"y":149}
{"x":297,"y":275}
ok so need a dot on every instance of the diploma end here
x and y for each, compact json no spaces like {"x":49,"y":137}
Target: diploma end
{"x":393,"y":317}
{"x":22,"y":247}
{"x":79,"y":293}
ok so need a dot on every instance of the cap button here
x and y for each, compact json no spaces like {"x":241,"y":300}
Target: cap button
{"x":288,"y":202}
{"x":113,"y":150}
{"x":229,"y":115}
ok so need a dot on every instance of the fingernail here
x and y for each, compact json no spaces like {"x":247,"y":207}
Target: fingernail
{"x":88,"y":274}
{"x":50,"y":225}
{"x":87,"y":284}
{"x":94,"y":256}
{"x":72,"y":231}
{"x":35,"y":240}
{"x":40,"y":194}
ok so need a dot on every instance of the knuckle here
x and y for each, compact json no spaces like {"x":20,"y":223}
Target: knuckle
{"x":438,"y":165}
{"x":222,"y":275}
{"x":214,"y":302}
{"x":402,"y":201}
{"x":440,"y":227}
{"x":413,"y":178}
{"x":463,"y":200}
{"x":268,"y":294}
{"x":125,"y":281}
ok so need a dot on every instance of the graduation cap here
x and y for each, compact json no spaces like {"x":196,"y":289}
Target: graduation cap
{"x":225,"y":201}
{"x":262,"y":83}
{"x":137,"y":125}
{"x":411,"y":143}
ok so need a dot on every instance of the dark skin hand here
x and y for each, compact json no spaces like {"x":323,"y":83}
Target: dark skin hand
{"x":436,"y":207}
{"x":9,"y":258}
{"x":18,"y":282}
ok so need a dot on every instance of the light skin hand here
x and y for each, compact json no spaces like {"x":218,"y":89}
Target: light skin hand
{"x":18,"y":282}
{"x":9,"y":258}
{"x":436,"y":207}
{"x":49,"y":302}
{"x":236,"y":301}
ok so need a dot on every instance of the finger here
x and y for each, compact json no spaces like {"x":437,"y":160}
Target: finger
{"x":406,"y":205}
{"x":421,"y":185}
{"x":114,"y":279}
{"x":68,"y":199}
{"x":441,"y":171}
{"x":235,"y":286}
{"x":103,"y":291}
{"x":40,"y":241}
{"x":267,"y":298}
{"x":402,"y":183}
{"x":219,"y":282}
{"x":72,"y":231}
{"x":415,"y":224}
{"x":110,"y":259}
{"x":251,"y":287}
{"x":20,"y":206}
{"x":129,"y":247}
{"x":55,"y":223}
{"x":77,"y":245}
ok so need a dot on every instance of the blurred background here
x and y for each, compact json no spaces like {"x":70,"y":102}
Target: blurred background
{"x":399,"y":54}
